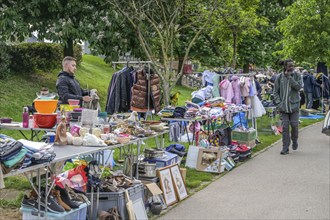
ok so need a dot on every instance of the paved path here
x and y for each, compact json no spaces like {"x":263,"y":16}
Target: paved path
{"x":269,"y":186}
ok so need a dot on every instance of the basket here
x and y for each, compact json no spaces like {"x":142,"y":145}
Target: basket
{"x":123,"y":140}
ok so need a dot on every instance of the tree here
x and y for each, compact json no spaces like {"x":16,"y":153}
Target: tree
{"x":63,"y":21}
{"x":259,"y":49}
{"x":158,"y":26}
{"x":306,"y":32}
{"x":233,"y":21}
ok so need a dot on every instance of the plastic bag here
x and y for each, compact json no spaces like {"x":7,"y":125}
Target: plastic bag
{"x":75,"y":178}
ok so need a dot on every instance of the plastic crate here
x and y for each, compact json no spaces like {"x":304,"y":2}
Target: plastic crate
{"x":108,"y":200}
{"x":246,"y":136}
{"x":169,"y":159}
{"x":76,"y":214}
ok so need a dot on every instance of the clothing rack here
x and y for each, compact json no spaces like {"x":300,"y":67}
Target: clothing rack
{"x":148,"y":113}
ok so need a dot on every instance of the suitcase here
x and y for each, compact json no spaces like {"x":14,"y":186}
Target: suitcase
{"x":326,"y":124}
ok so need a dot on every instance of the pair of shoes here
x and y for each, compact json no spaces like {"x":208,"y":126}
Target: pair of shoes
{"x":294,"y":145}
{"x":66,"y":198}
{"x":284,"y":152}
{"x":57,"y":195}
{"x":52,"y":204}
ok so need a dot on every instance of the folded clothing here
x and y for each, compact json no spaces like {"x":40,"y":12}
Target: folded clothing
{"x":8,"y":148}
{"x":12,"y":161}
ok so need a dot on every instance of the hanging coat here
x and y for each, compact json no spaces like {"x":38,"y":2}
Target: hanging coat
{"x":226,"y":90}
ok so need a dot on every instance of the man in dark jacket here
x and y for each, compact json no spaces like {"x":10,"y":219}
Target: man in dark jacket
{"x":67,"y":86}
{"x":309,"y":82}
{"x":287,"y":100}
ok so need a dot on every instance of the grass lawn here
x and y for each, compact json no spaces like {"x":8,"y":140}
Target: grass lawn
{"x":19,"y":91}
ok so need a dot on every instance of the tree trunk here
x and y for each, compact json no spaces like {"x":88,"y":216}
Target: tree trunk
{"x":246,"y":68}
{"x":68,"y":48}
{"x":179,"y":82}
{"x":322,"y":67}
{"x":166,"y":93}
{"x":234,"y":49}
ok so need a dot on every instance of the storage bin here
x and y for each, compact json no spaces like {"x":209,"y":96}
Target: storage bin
{"x":169,"y":159}
{"x":243,"y":135}
{"x":109,"y":200}
{"x":74,"y":214}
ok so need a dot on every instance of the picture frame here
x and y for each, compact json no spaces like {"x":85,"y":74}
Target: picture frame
{"x":166,"y":185}
{"x":178,"y":182}
{"x":209,"y":160}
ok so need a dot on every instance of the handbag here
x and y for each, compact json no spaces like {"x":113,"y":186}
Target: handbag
{"x":221,"y":137}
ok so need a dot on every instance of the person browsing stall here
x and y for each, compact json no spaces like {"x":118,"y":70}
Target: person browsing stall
{"x":68,"y":86}
{"x":287,"y":100}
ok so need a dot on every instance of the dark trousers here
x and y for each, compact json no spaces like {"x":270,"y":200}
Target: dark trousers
{"x":309,"y":100}
{"x":287,"y":120}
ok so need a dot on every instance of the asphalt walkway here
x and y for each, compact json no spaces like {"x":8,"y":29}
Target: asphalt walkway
{"x":269,"y":186}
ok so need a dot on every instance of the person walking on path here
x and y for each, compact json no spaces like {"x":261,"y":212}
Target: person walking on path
{"x":287,"y":100}
{"x":67,"y":86}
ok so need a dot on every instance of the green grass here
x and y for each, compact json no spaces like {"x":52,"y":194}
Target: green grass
{"x":15,"y":203}
{"x":17,"y":182}
{"x":19,"y":91}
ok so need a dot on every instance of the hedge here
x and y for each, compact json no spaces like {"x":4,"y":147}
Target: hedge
{"x":27,"y":58}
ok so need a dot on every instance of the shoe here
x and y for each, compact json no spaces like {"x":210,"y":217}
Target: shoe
{"x":294,"y":145}
{"x":57,"y":195}
{"x":52,"y":204}
{"x":31,"y":202}
{"x":66,"y":199}
{"x":284,"y":152}
{"x":74,"y":195}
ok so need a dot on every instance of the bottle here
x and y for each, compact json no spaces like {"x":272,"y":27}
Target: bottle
{"x":25,"y":117}
{"x":31,"y":121}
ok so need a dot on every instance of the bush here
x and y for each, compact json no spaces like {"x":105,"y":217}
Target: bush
{"x":77,"y":53}
{"x":27,"y":58}
{"x":4,"y":61}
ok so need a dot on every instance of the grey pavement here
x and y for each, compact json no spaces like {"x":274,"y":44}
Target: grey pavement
{"x":269,"y":186}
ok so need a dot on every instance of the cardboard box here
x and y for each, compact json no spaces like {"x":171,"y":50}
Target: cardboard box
{"x":168,"y":159}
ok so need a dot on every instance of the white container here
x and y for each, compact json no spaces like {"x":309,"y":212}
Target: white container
{"x":76,"y":214}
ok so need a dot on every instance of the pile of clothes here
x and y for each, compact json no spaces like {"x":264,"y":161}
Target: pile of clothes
{"x":12,"y":154}
{"x":23,"y":153}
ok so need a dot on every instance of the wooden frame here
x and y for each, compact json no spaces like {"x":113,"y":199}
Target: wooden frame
{"x":209,"y":160}
{"x":166,"y":185}
{"x":179,"y":185}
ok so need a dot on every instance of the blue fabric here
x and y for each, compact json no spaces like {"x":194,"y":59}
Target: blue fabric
{"x":312,"y":117}
{"x":178,"y":147}
{"x":239,"y":120}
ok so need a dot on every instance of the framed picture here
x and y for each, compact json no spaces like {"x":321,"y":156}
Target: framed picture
{"x":209,"y":160}
{"x":178,"y":183}
{"x":166,"y":185}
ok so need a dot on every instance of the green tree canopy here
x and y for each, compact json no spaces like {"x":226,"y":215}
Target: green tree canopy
{"x":306,"y":31}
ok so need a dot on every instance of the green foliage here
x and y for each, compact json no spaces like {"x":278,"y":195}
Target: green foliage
{"x":29,"y":58}
{"x":4,"y":61}
{"x":306,"y":31}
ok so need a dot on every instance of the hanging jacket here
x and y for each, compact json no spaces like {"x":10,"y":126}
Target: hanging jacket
{"x":215,"y":89}
{"x":119,"y":95}
{"x":139,"y":101}
{"x":236,"y":89}
{"x":321,"y":78}
{"x":226,"y":90}
{"x":286,"y":92}
{"x":69,"y":88}
{"x":245,"y":86}
{"x":308,"y":83}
